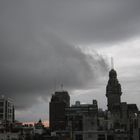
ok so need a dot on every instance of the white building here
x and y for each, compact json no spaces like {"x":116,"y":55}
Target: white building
{"x":6,"y":109}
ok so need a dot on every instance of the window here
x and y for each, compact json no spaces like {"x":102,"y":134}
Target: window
{"x":1,"y":116}
{"x":78,"y":137}
{"x":1,"y":110}
{"x":110,"y":137}
{"x":101,"y":137}
{"x":89,"y":135}
{"x":1,"y":103}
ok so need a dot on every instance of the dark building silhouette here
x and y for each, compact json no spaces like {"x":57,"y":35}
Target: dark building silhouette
{"x":123,"y":114}
{"x":121,"y":121}
{"x":59,"y":101}
{"x":113,"y":90}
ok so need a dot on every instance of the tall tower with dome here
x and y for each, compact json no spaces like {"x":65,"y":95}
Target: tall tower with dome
{"x":113,"y":90}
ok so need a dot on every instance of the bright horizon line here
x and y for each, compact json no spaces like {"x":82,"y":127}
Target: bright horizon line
{"x":45,"y":123}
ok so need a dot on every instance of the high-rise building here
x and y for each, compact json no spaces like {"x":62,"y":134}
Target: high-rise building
{"x":113,"y":90}
{"x":6,"y":110}
{"x":59,"y":101}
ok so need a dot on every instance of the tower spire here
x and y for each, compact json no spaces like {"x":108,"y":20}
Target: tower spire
{"x":62,"y":87}
{"x":112,"y":63}
{"x":113,"y":88}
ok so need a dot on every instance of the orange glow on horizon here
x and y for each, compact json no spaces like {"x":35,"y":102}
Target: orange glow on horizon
{"x":45,"y":123}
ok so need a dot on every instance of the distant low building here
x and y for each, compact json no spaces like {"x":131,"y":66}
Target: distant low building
{"x":38,"y":128}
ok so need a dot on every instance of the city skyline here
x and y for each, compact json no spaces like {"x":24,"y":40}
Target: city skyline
{"x":48,"y":43}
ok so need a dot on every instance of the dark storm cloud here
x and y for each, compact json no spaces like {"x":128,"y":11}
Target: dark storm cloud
{"x":38,"y":39}
{"x":34,"y":62}
{"x":30,"y":69}
{"x":82,"y":21}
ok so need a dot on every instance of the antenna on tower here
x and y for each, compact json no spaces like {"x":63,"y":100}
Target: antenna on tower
{"x":62,"y":87}
{"x":112,"y":63}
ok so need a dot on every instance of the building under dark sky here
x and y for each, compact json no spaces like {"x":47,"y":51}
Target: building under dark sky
{"x":59,"y":101}
{"x":87,"y":122}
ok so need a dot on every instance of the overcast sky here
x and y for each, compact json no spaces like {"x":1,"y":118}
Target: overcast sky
{"x":46,"y":43}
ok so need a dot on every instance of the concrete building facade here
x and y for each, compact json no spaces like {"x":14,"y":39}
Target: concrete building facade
{"x":7,"y":112}
{"x":82,"y":120}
